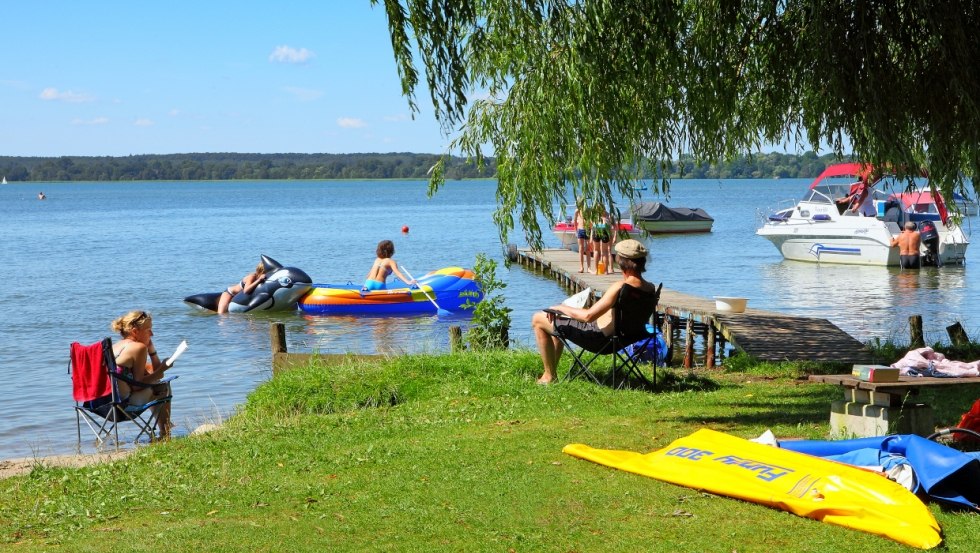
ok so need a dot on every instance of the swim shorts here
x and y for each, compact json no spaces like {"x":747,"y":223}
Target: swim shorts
{"x":586,"y":335}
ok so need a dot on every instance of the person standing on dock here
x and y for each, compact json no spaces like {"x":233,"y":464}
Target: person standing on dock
{"x":582,"y":234}
{"x":602,"y":236}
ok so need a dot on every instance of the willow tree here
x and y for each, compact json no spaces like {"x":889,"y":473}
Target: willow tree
{"x":585,"y":95}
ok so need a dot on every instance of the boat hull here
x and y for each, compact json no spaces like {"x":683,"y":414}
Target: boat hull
{"x":866,"y":242}
{"x":451,"y":288}
{"x":675,"y":227}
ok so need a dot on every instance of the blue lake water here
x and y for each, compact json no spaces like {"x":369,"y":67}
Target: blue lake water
{"x":93,"y":251}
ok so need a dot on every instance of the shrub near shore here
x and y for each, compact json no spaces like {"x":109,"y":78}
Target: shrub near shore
{"x":447,"y":453}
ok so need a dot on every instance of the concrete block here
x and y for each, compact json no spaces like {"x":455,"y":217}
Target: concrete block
{"x":850,"y":419}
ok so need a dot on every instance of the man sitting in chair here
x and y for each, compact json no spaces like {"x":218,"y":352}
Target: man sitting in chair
{"x":583,"y":326}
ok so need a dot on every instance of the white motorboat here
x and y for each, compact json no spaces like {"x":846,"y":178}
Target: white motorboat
{"x":825,"y":229}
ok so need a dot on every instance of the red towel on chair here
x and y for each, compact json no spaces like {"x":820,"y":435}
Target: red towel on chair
{"x":89,"y":378}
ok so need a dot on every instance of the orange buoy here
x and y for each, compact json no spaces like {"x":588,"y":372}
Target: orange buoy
{"x":405,"y":229}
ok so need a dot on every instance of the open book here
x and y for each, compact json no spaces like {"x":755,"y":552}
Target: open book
{"x":177,"y":353}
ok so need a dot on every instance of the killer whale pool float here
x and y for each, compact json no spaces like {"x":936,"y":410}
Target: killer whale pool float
{"x":282,"y":288}
{"x":451,"y":287}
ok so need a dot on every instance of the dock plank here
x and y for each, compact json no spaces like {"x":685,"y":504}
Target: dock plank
{"x":765,"y":335}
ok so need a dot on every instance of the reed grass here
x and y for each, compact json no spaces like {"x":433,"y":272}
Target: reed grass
{"x":454,"y":452}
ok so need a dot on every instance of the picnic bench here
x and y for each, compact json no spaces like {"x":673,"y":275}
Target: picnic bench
{"x":880,"y":408}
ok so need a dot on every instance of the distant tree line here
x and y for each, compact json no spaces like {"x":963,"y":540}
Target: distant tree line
{"x":232,"y":166}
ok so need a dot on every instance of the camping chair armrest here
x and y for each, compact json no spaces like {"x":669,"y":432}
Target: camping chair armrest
{"x":556,"y":313}
{"x":136,"y":409}
{"x":136,"y":384}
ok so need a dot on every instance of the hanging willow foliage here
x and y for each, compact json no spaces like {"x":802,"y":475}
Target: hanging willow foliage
{"x":575,"y":98}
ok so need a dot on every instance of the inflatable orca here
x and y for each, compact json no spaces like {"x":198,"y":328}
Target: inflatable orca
{"x":282,"y":288}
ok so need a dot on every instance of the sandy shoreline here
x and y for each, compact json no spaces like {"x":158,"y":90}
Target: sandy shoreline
{"x":16,"y":467}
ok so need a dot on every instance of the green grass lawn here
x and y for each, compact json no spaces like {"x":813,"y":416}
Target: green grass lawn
{"x":444,"y":453}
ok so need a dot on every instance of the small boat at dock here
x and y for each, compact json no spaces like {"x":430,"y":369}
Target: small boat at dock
{"x":657,"y":218}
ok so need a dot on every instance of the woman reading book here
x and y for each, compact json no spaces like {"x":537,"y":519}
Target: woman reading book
{"x":137,"y":357}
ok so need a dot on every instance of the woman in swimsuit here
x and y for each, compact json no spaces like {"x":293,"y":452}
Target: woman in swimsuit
{"x":136,"y":355}
{"x":247,"y":285}
{"x":582,"y":231}
{"x":383,"y":266}
{"x":601,"y":236}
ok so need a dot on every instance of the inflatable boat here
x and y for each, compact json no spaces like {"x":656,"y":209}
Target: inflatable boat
{"x":282,"y":288}
{"x":450,"y":287}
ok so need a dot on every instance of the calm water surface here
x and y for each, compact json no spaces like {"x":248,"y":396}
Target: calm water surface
{"x":93,"y":251}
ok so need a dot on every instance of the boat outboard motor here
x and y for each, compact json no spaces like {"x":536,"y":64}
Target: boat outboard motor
{"x":930,"y":238}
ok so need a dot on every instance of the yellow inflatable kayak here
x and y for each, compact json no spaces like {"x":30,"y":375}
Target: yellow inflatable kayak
{"x":801,"y":484}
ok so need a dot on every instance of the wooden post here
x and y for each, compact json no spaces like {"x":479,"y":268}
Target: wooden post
{"x":957,"y":335}
{"x":277,"y":331}
{"x":455,"y":339}
{"x":721,"y":347}
{"x":709,"y":347}
{"x":915,"y":328}
{"x":667,"y":332}
{"x":689,"y":344}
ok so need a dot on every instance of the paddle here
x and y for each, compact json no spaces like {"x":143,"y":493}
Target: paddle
{"x":439,"y":310}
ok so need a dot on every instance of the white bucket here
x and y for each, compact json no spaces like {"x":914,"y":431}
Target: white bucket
{"x":726,"y":304}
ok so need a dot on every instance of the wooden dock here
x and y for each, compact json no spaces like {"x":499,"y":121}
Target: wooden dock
{"x":765,"y":335}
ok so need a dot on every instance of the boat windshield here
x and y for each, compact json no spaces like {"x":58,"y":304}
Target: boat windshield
{"x":826,"y":193}
{"x":835,"y":188}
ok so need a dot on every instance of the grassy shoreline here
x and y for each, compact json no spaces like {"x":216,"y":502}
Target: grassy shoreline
{"x":441,"y":452}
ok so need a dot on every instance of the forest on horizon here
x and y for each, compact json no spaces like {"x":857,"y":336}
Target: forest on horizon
{"x":236,"y":166}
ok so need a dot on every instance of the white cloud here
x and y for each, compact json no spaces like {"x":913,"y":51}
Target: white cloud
{"x":399,"y":118}
{"x":303,"y":94}
{"x":173,"y":112}
{"x":288,"y":54}
{"x":143,"y":122}
{"x":96,"y":121}
{"x":351,"y":123}
{"x":52,"y":93}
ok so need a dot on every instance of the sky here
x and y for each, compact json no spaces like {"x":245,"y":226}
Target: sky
{"x":112,"y":78}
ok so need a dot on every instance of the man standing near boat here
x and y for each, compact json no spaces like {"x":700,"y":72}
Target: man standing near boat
{"x":908,"y":246}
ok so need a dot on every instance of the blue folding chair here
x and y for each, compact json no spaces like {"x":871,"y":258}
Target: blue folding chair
{"x":95,"y":387}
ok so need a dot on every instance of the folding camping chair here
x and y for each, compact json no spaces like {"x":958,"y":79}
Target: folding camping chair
{"x":633,"y":309}
{"x":95,"y":386}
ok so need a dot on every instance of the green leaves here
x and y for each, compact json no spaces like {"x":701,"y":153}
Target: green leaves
{"x":577,"y":98}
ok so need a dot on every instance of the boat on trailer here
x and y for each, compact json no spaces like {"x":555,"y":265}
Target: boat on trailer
{"x":818,"y":228}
